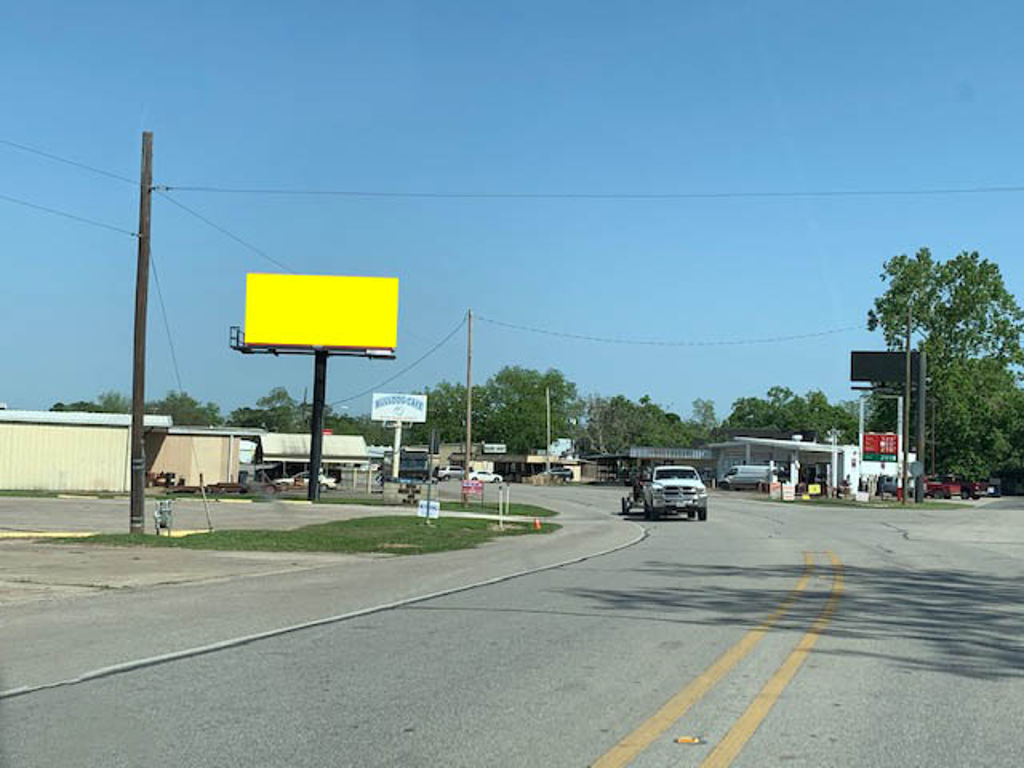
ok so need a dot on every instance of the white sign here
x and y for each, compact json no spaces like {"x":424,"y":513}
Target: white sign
{"x":429,"y":509}
{"x":495,"y":448}
{"x":788,"y":492}
{"x":387,"y":407}
{"x":863,"y":497}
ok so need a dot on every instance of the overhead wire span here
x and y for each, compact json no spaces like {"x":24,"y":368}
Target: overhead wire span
{"x":68,"y":161}
{"x":67,"y":215}
{"x":670,"y":343}
{"x":405,"y":370}
{"x":224,"y":231}
{"x":723,"y":195}
{"x":177,"y":377}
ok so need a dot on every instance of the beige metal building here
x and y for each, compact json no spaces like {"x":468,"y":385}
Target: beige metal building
{"x":291,"y":451}
{"x":68,"y":451}
{"x":188,"y":452}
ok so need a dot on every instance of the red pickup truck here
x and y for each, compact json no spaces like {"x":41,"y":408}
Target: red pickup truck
{"x":949,"y":486}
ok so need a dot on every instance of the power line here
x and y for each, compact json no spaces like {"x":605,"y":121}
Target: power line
{"x":67,"y":161}
{"x":167,"y":325}
{"x":162,"y":192}
{"x":724,"y":195}
{"x":405,"y":370}
{"x":669,"y":343}
{"x":181,"y":388}
{"x":66,"y":215}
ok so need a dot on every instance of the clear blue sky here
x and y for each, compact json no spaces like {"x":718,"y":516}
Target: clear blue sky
{"x":635,"y":97}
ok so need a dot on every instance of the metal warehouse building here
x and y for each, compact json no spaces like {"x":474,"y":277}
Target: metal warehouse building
{"x":64,"y":451}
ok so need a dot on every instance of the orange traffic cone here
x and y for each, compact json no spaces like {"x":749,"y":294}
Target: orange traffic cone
{"x":536,"y":523}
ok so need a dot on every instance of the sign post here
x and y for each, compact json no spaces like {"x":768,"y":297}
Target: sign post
{"x":409,"y":409}
{"x":323,"y":316}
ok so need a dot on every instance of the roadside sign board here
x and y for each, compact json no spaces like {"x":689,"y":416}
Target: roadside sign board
{"x":775,"y":490}
{"x":330,"y":312}
{"x":814,"y":489}
{"x":880,"y":446}
{"x":788,"y":492}
{"x":473,"y":487}
{"x":395,"y":407}
{"x":429,"y":509}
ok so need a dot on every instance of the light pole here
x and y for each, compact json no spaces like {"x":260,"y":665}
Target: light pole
{"x":833,"y":436}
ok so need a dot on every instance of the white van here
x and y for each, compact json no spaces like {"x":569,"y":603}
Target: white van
{"x":745,"y":476}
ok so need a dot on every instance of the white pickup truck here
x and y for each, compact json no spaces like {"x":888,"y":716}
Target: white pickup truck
{"x":675,"y":490}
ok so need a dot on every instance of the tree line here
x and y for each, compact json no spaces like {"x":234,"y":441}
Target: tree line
{"x":961,"y":313}
{"x":511,"y":408}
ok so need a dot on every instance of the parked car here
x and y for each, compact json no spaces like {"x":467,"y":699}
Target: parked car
{"x":447,"y":473}
{"x":562,"y":473}
{"x":746,"y":476}
{"x":485,"y":476}
{"x":888,"y":484}
{"x":947,"y":486}
{"x":302,"y":479}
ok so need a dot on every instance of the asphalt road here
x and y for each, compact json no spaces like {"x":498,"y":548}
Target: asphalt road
{"x":775,"y":635}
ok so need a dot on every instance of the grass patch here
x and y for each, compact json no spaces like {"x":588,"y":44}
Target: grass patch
{"x":393,"y":535}
{"x":367,"y":501}
{"x":888,"y":504}
{"x":31,"y":494}
{"x":491,"y":507}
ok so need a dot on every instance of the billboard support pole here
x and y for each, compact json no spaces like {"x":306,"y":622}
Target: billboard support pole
{"x":316,"y":428}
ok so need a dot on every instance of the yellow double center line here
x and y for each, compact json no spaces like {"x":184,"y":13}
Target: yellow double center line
{"x":737,"y":737}
{"x":625,"y":751}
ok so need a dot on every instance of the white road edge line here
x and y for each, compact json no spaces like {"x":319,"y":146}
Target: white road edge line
{"x":129,"y":666}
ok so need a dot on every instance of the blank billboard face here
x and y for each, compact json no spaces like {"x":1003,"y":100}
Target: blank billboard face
{"x":882,"y":367}
{"x":326,"y":311}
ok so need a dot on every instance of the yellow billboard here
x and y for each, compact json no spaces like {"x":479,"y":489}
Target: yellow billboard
{"x":328,"y":311}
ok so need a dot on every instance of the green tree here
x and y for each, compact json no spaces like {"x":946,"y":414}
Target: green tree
{"x":785,"y":411}
{"x":970,"y":326}
{"x":614,"y":424}
{"x":373,"y":432}
{"x":106,"y":402}
{"x":514,"y":411}
{"x":446,"y":413}
{"x":185,"y":409}
{"x":703,"y":416}
{"x":277,"y":411}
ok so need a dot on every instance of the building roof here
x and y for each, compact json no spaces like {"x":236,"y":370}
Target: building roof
{"x":792,"y":445}
{"x":81,"y":418}
{"x":648,"y":452}
{"x":218,"y":431}
{"x":295,"y":447}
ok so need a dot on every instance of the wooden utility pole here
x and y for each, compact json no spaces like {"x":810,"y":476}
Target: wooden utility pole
{"x":906,"y":412}
{"x":547,"y":451}
{"x":137,"y":515}
{"x":934,"y":424}
{"x":469,"y":397}
{"x":922,"y":400}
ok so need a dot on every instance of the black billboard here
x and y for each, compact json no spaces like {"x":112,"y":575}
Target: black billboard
{"x":882,"y":367}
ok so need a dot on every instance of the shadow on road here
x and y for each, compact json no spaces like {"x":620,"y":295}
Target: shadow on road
{"x":972,"y":622}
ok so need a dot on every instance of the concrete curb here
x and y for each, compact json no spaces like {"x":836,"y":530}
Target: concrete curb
{"x":236,"y":642}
